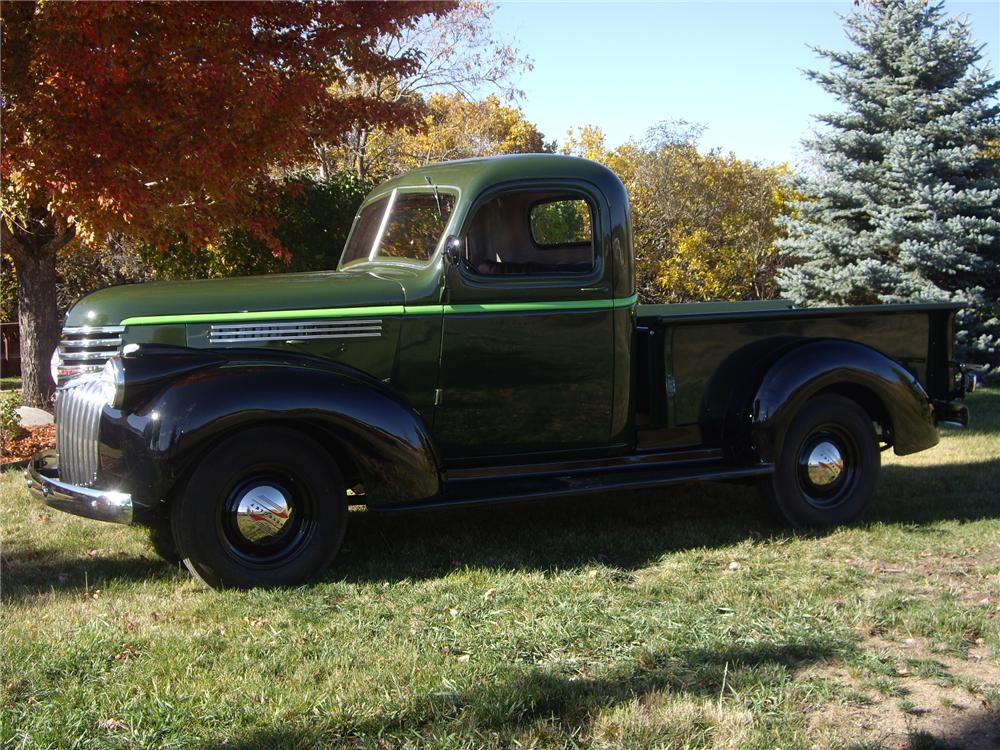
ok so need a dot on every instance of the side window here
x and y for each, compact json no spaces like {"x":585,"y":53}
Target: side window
{"x":532,"y":232}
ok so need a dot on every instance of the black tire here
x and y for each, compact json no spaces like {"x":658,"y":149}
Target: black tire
{"x":824,"y":493}
{"x":267,"y":507}
{"x":161,"y":539}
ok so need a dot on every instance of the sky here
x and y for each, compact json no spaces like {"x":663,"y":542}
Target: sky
{"x":734,"y":67}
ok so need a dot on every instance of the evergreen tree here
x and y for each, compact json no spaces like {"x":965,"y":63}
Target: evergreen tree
{"x":905,"y":201}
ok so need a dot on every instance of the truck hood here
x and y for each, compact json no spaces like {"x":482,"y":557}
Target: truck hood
{"x":294,"y":291}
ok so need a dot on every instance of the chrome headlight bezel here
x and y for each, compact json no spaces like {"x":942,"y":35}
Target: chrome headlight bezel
{"x":113,"y":382}
{"x":55,"y":363}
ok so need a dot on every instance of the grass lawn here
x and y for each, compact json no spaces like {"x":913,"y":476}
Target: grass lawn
{"x":11,"y":383}
{"x":670,"y":619}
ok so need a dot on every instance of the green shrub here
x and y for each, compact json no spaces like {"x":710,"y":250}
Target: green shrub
{"x":10,"y":421}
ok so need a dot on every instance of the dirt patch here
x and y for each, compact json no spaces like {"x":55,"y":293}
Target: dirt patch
{"x":31,"y":441}
{"x":930,"y":700}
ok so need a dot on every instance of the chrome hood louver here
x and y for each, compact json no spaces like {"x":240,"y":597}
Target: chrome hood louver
{"x":254,"y":333}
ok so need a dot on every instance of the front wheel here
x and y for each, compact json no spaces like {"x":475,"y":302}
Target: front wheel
{"x":828,"y":467}
{"x":161,"y":539}
{"x":267,"y":507}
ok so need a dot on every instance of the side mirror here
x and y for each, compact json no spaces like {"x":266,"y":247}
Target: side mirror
{"x":454,"y":250}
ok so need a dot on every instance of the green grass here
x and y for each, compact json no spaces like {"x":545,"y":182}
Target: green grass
{"x":604,"y":623}
{"x":12,"y":383}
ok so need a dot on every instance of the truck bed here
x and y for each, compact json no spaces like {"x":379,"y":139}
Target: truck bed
{"x":681,"y":347}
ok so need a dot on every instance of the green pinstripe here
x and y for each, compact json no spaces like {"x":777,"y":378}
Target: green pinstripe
{"x":384,"y":310}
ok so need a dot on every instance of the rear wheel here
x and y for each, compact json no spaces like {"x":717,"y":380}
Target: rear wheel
{"x":266,"y":508}
{"x":828,"y":467}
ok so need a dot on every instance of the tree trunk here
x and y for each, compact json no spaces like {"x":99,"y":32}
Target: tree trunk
{"x":38,"y":319}
{"x":32,"y":242}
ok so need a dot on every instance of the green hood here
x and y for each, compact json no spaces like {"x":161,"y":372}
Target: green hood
{"x":295,"y":291}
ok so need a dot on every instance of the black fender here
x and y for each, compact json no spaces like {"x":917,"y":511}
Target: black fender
{"x":167,"y":426}
{"x":763,"y":386}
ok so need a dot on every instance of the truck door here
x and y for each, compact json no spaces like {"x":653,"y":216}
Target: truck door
{"x":527,"y":347}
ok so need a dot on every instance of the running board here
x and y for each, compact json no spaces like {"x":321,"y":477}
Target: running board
{"x":466,"y":492}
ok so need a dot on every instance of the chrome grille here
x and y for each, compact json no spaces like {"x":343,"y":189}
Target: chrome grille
{"x":86,"y":348}
{"x":78,"y":415}
{"x":252,"y":333}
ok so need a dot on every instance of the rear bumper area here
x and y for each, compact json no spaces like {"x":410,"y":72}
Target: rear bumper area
{"x":102,"y":505}
{"x":951,"y":414}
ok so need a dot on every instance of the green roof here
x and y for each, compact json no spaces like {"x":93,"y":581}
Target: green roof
{"x":472,"y":176}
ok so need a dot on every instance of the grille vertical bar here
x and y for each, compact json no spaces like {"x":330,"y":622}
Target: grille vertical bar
{"x":78,"y":415}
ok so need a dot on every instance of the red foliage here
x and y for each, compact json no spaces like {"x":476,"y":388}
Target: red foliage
{"x":148,"y":116}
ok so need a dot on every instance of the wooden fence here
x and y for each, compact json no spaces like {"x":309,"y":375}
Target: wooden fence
{"x":10,"y":349}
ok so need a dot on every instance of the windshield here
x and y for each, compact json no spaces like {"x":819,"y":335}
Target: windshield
{"x":400,"y":225}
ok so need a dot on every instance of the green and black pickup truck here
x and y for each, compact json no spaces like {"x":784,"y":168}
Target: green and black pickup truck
{"x":480,"y":341}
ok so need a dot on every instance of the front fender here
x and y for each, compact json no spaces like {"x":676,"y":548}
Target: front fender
{"x":156,"y":443}
{"x":816,"y":365}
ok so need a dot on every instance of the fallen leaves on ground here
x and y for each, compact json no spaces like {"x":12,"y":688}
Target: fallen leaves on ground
{"x":33,"y":440}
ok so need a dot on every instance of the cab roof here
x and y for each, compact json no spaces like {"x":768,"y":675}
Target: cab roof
{"x":473,"y":176}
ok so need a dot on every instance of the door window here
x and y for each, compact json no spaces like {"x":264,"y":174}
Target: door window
{"x":532,"y":232}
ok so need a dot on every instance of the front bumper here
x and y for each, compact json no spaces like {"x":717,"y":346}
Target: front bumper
{"x":102,"y":505}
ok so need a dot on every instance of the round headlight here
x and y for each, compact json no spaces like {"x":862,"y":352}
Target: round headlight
{"x":54,"y":365}
{"x":113,"y":382}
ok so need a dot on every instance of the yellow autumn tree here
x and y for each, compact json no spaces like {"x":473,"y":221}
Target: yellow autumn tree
{"x":455,"y":127}
{"x":704,"y":224}
{"x":452,"y":127}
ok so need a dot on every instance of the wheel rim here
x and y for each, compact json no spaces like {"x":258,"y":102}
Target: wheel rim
{"x":266,"y":519}
{"x":828,"y":467}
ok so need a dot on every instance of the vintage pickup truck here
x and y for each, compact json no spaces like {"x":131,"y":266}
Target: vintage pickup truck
{"x":480,"y":341}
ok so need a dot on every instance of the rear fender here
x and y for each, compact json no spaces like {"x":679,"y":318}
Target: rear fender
{"x":837,"y":365}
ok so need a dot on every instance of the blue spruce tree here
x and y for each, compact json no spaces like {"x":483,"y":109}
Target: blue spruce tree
{"x":904,"y":202}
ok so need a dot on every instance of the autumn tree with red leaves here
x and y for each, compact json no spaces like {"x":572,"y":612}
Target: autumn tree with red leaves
{"x":157,"y":118}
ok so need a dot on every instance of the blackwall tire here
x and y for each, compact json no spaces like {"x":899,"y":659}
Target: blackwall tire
{"x":265,"y":508}
{"x":828,"y":467}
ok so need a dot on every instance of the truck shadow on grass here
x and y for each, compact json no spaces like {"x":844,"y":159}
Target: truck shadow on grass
{"x":550,"y":701}
{"x":27,"y":573}
{"x":629,"y":531}
{"x":674,"y":698}
{"x":623,"y":530}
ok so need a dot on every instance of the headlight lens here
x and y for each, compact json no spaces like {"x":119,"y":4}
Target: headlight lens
{"x":54,"y":365}
{"x":113,"y":382}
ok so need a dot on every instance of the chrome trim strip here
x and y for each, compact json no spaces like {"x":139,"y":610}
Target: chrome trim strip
{"x":101,"y":505}
{"x":295,"y":324}
{"x":216,"y":340}
{"x":86,"y":343}
{"x":236,"y":333}
{"x":93,"y":329}
{"x":89,"y":356}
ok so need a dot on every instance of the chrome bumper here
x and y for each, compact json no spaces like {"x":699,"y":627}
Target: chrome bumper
{"x":89,"y":502}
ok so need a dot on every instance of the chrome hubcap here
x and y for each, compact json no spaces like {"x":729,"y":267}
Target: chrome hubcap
{"x":262,"y":512}
{"x":824,"y":464}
